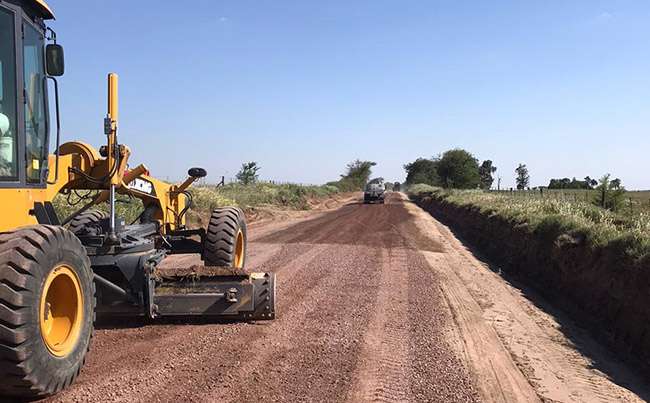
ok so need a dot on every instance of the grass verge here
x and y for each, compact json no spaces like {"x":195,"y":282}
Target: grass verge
{"x":593,"y":263}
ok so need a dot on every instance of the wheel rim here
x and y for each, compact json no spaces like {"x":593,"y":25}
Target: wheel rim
{"x":239,"y":250}
{"x":61,"y":311}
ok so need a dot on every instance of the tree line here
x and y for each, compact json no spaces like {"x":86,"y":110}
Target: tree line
{"x":356,"y":176}
{"x":566,"y":183}
{"x":457,"y":169}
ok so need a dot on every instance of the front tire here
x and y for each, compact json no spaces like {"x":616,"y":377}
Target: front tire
{"x":225,"y":241}
{"x":47,"y":305}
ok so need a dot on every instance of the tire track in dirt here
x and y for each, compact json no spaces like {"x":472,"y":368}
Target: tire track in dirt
{"x":383,"y":373}
{"x":298,"y":339}
{"x":431,"y":324}
{"x":303,"y":344}
{"x":556,"y":369}
{"x":497,"y":376}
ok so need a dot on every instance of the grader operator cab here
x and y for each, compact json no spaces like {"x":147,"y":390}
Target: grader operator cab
{"x":56,"y":273}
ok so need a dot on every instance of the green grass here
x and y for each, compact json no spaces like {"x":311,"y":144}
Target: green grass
{"x":634,"y":201}
{"x":556,"y":214}
{"x":207,"y":198}
{"x":65,"y":205}
{"x":260,"y":194}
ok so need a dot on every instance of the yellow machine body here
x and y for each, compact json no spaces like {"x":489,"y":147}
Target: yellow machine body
{"x":18,"y":203}
{"x":79,"y":162}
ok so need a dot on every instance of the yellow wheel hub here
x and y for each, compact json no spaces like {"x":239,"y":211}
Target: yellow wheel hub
{"x":238,"y":262}
{"x":61,"y":311}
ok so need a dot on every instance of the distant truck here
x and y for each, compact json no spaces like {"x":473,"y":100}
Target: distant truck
{"x":374,"y":192}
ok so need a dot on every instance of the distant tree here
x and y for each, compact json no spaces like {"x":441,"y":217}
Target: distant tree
{"x":422,"y":170}
{"x":523,"y":178}
{"x":248,"y":173}
{"x":610,"y":193}
{"x":591,"y":183}
{"x":566,"y":183}
{"x":458,"y":169}
{"x":485,"y":172}
{"x":356,"y":175}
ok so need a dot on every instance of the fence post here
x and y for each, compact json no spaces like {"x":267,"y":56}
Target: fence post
{"x":631,"y":207}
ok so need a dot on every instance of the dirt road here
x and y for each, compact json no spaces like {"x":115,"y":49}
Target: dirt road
{"x":376,"y":303}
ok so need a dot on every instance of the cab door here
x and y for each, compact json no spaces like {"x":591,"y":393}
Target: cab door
{"x":9,"y":147}
{"x":23,"y":121}
{"x":34,"y":105}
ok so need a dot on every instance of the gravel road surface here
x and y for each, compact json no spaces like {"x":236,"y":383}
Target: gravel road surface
{"x":375,"y":304}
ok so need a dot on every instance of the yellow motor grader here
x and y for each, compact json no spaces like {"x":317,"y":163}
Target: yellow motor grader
{"x":57,"y":273}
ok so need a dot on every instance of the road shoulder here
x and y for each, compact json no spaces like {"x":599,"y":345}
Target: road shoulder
{"x":508,"y":337}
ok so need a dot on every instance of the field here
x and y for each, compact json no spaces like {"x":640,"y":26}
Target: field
{"x":570,"y":210}
{"x":635,"y":201}
{"x":258,"y":194}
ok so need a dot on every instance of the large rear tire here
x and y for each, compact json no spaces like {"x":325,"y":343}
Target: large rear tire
{"x":47,"y":305}
{"x":225,"y":241}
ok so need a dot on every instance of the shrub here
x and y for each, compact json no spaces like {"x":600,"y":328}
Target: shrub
{"x":421,"y":189}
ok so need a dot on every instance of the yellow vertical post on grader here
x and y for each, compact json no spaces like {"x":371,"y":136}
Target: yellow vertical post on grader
{"x":57,"y":273}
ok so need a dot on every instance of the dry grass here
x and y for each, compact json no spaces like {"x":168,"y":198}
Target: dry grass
{"x":207,"y":198}
{"x":599,"y":226}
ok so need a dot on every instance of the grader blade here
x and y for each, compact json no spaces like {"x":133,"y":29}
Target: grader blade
{"x":230,"y":295}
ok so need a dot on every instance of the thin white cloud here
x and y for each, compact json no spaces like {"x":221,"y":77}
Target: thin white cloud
{"x":603,"y":17}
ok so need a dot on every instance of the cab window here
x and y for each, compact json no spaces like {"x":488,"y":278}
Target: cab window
{"x":35,"y":114}
{"x":8,"y":143}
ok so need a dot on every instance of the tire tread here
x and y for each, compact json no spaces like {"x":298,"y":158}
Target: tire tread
{"x":20,"y":253}
{"x":220,"y":239}
{"x":85,"y":218}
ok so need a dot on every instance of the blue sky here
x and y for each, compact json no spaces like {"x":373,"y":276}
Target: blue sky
{"x":304,"y":87}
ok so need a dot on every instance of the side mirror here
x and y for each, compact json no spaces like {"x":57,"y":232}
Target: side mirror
{"x":54,"y":61}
